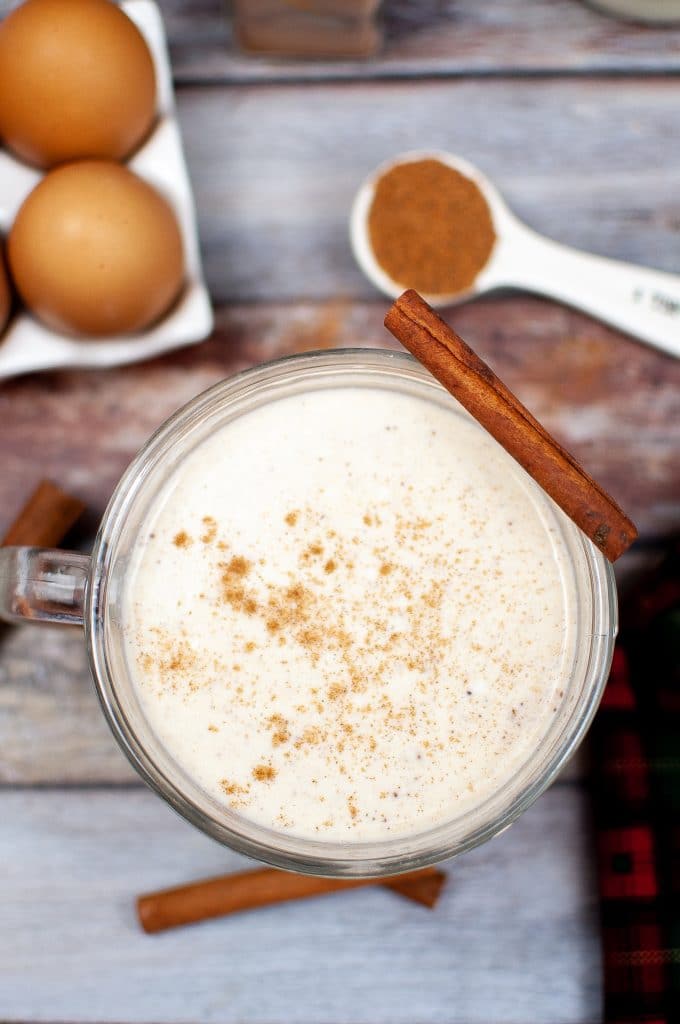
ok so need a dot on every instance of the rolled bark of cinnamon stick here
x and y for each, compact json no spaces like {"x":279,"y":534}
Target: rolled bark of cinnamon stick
{"x":217,"y":897}
{"x":45,"y":519}
{"x":425,"y":889}
{"x":448,"y":358}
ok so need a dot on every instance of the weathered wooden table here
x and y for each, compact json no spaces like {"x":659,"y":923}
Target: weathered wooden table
{"x":576,"y":118}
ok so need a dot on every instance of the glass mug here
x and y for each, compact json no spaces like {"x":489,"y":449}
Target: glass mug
{"x":59,"y":586}
{"x":665,"y":12}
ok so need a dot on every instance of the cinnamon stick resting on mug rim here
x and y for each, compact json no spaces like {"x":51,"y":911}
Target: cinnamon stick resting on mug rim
{"x":448,"y":358}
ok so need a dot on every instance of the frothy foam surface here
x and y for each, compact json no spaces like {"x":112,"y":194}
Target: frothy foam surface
{"x":348,"y":617}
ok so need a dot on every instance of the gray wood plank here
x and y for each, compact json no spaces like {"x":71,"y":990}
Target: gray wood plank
{"x":590,"y":163}
{"x":514,"y":938}
{"x":436,"y":37}
{"x":432,"y":37}
{"x":51,"y":725}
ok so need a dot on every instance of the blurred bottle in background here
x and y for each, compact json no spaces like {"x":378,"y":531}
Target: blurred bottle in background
{"x":308,"y":28}
{"x":657,"y":11}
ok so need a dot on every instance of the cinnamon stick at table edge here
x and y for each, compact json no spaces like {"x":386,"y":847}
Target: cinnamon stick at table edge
{"x":448,"y":358}
{"x":45,"y":519}
{"x":247,"y":890}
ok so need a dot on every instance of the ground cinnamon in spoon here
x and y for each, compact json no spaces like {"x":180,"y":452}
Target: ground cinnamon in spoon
{"x":430,"y":227}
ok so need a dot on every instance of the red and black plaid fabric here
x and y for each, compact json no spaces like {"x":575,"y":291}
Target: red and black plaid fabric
{"x":636,"y":792}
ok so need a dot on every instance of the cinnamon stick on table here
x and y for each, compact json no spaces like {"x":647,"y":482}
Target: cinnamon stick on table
{"x":45,"y":519}
{"x":216,"y":897}
{"x":478,"y":389}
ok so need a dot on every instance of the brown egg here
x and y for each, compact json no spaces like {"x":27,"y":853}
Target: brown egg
{"x":76,"y":80}
{"x":94,"y":250}
{"x":5,"y":294}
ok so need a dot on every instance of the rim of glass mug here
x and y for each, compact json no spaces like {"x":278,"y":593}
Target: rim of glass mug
{"x":95,"y":590}
{"x":652,"y":12}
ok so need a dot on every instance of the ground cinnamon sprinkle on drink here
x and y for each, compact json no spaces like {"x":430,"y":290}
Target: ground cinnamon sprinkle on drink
{"x":314,"y":550}
{"x":210,"y":529}
{"x":181,"y":539}
{"x":281,"y":733}
{"x":233,"y":587}
{"x":338,"y":620}
{"x":233,"y":788}
{"x":298,"y":612}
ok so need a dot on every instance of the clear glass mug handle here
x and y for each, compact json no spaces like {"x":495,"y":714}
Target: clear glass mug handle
{"x":43,"y":585}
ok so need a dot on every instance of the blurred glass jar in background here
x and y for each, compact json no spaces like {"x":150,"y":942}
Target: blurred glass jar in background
{"x":657,"y":11}
{"x":308,"y":28}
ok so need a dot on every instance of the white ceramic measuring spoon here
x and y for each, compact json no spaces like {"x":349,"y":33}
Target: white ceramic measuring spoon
{"x":642,"y":302}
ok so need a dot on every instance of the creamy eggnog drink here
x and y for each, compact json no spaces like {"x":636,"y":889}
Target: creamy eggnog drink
{"x":348,"y":616}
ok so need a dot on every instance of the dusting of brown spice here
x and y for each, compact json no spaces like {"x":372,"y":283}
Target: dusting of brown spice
{"x":430,"y":227}
{"x":234,"y":592}
{"x":145,"y":661}
{"x":298,"y":612}
{"x":281,"y":730}
{"x":237,"y":793}
{"x":210,"y":529}
{"x":233,"y":788}
{"x":310,"y":737}
{"x":314,"y":550}
{"x":288,"y":607}
{"x":183,"y":539}
{"x":176,"y":656}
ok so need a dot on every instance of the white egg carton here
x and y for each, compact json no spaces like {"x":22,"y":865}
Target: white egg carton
{"x":28,"y":345}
